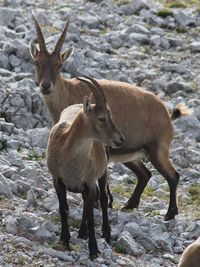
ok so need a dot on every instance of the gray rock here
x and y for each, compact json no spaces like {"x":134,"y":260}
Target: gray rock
{"x":39,"y":137}
{"x":175,"y":41}
{"x":5,"y":189}
{"x":155,"y":40}
{"x":173,"y":87}
{"x":133,"y":229}
{"x":91,"y":21}
{"x":183,"y":18}
{"x":14,"y":61}
{"x":133,"y":7}
{"x":175,"y":68}
{"x":195,"y":46}
{"x":31,"y":198}
{"x":137,"y":28}
{"x":4,"y":62}
{"x":8,"y":15}
{"x":138,"y":38}
{"x":11,"y":226}
{"x":127,"y":243}
{"x":50,"y":203}
{"x":42,"y":234}
{"x":58,"y":254}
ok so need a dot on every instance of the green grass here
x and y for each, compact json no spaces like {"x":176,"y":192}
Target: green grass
{"x":180,"y":30}
{"x":119,"y":249}
{"x":181,"y":3}
{"x":33,"y":155}
{"x":122,"y":2}
{"x":23,"y":195}
{"x":194,"y":191}
{"x":177,"y":4}
{"x":122,"y":190}
{"x":21,"y":260}
{"x":165,"y":12}
{"x":104,"y":30}
{"x":74,"y":223}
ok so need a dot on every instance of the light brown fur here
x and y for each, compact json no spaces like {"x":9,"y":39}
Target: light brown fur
{"x":140,"y":114}
{"x":191,"y":255}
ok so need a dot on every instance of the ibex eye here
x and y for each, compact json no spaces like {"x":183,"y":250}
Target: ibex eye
{"x":102,"y":119}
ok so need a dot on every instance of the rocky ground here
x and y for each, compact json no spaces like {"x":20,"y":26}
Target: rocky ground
{"x":141,"y":42}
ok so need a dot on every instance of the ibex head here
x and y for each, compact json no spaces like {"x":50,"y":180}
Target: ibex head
{"x":100,"y":116}
{"x":48,"y":65}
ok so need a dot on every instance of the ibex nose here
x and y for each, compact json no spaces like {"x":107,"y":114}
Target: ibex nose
{"x":120,"y":141}
{"x":45,"y":85}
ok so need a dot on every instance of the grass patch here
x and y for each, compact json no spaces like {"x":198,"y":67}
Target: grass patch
{"x":119,"y":249}
{"x":180,"y":30}
{"x":58,"y":246}
{"x":33,"y":155}
{"x":116,"y":206}
{"x":194,"y":191}
{"x":181,"y":3}
{"x":55,"y":219}
{"x":23,"y":195}
{"x":122,"y":2}
{"x":177,"y":4}
{"x":104,"y":30}
{"x":148,"y":192}
{"x":21,"y":260}
{"x":74,"y":223}
{"x":165,"y":12}
{"x":122,"y":190}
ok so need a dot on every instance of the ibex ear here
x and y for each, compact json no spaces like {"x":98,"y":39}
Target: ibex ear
{"x":86,"y":104}
{"x":33,"y":50}
{"x":67,"y":54}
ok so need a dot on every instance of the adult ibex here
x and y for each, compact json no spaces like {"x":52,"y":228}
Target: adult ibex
{"x":77,"y":159}
{"x":140,"y":114}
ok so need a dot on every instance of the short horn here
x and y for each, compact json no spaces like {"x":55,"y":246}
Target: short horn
{"x":95,"y":88}
{"x":61,"y":40}
{"x":40,"y":36}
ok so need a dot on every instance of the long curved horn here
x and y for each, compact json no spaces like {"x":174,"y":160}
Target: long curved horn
{"x":61,"y":40}
{"x":96,"y":90}
{"x":39,"y":34}
{"x":97,"y":85}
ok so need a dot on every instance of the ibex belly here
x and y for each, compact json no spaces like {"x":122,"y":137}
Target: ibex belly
{"x":128,"y":157}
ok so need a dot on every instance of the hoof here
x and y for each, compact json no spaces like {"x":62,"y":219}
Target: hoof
{"x":106,"y":233}
{"x":94,"y":254}
{"x":82,"y":236}
{"x":171,"y":214}
{"x":129,"y":206}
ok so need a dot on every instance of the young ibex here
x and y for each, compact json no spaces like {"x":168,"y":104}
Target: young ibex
{"x":77,"y":160}
{"x":191,"y":255}
{"x":141,"y":115}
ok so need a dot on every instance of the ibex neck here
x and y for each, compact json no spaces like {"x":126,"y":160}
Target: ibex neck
{"x":58,"y":99}
{"x":78,"y":141}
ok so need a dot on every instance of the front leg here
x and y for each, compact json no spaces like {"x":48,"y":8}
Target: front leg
{"x":103,"y":185}
{"x":89,"y":198}
{"x":63,"y":208}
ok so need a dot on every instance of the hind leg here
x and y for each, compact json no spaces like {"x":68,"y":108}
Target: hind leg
{"x":143,"y":175}
{"x":160,"y":160}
